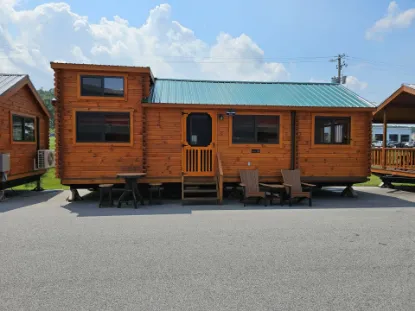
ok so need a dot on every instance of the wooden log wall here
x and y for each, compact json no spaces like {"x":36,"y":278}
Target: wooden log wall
{"x":334,"y":160}
{"x":92,"y":161}
{"x":22,"y":154}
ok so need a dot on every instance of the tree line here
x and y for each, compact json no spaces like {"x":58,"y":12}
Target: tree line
{"x":47,"y":96}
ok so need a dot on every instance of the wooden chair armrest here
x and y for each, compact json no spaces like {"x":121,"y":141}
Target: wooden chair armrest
{"x":242,"y":185}
{"x":288,"y":185}
{"x":308,"y":185}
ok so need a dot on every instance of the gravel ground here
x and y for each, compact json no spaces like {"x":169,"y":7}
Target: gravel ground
{"x":343,"y":254}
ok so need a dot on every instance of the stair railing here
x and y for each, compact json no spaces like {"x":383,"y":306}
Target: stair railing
{"x":219,"y":177}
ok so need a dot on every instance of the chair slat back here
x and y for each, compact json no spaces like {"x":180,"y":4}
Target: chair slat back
{"x":292,"y":177}
{"x":251,"y":180}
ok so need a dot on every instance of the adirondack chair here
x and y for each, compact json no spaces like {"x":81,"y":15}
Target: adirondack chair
{"x":250,"y":185}
{"x":294,"y":186}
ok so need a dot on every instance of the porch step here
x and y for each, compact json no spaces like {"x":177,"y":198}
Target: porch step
{"x":202,"y":199}
{"x":196,"y":183}
{"x":199,"y":188}
{"x":200,"y":191}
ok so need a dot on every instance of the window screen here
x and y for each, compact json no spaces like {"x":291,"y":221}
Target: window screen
{"x":103,"y":127}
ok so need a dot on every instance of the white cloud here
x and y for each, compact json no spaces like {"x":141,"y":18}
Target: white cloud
{"x":394,"y":19}
{"x":52,"y":31}
{"x":355,"y":84}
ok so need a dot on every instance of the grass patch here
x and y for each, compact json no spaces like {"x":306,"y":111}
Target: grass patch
{"x":48,"y":180}
{"x":52,"y":143}
{"x":374,"y":181}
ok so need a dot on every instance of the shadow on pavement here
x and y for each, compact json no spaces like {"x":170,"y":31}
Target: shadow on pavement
{"x":23,"y":198}
{"x":327,"y":198}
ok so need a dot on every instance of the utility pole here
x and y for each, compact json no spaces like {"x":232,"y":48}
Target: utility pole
{"x":340,"y":64}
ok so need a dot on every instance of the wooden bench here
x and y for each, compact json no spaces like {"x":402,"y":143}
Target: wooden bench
{"x":105,"y":189}
{"x":156,"y":189}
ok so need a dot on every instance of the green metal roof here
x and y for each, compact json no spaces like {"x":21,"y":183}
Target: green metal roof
{"x":287,"y":94}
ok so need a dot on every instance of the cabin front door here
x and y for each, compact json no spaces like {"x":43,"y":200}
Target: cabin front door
{"x":198,"y":136}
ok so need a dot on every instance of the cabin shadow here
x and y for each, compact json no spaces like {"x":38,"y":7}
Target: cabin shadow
{"x":22,"y":198}
{"x":327,"y":198}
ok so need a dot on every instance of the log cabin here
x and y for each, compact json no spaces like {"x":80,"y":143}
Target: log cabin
{"x":395,"y":164}
{"x":112,"y":119}
{"x":24,"y":129}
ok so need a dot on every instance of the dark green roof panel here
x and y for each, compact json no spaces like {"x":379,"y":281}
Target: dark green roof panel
{"x":287,"y":94}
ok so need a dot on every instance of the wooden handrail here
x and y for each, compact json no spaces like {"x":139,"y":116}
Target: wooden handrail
{"x":219,"y":177}
{"x":220,"y":168}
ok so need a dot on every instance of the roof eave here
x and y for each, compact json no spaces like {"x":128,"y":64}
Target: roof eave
{"x":26,"y":82}
{"x":260,"y":107}
{"x":102,"y":68}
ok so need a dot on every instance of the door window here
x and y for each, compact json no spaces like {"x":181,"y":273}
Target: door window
{"x":199,"y":129}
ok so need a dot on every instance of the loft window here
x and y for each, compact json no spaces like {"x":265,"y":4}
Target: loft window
{"x":332,"y":130}
{"x":102,"y":127}
{"x":102,"y":86}
{"x":247,"y":129}
{"x":23,"y":129}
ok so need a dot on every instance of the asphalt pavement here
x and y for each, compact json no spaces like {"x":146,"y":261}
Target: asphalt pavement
{"x":342,"y":254}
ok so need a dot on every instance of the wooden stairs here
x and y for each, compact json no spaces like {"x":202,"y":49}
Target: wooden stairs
{"x":200,"y":188}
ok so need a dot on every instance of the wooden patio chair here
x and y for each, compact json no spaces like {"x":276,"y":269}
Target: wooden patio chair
{"x":250,"y":185}
{"x":294,"y":186}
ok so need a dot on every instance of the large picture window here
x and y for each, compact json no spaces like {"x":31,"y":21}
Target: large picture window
{"x":102,"y":86}
{"x":102,"y":127}
{"x":248,"y":129}
{"x":23,"y":129}
{"x":332,"y":130}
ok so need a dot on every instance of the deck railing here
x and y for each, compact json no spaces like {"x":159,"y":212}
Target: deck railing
{"x":198,"y":161}
{"x":394,"y":158}
{"x":376,"y":157}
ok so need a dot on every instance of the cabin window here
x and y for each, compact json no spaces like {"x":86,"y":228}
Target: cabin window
{"x":248,"y":129}
{"x":102,"y":127}
{"x":332,"y":130}
{"x":23,"y":129}
{"x":102,"y":86}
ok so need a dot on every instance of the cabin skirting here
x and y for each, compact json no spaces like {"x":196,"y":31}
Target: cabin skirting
{"x":21,"y":179}
{"x":85,"y":183}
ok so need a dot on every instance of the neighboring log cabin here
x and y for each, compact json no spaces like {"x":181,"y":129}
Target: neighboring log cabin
{"x":395,"y":164}
{"x":112,"y":119}
{"x":24,"y":129}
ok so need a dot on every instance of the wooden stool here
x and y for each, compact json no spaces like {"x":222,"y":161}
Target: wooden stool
{"x":155,"y":188}
{"x":105,"y":188}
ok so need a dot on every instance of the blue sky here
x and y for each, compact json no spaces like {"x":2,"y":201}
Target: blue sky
{"x":380,"y":57}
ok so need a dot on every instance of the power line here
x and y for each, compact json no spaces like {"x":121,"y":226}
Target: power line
{"x":340,"y":64}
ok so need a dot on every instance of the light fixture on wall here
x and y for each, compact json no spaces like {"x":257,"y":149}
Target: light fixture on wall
{"x":231,"y":112}
{"x":221,"y":117}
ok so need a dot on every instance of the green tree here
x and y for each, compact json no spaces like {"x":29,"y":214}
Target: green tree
{"x":47,"y":96}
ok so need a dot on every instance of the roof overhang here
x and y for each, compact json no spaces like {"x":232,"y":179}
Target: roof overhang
{"x":257,"y":107}
{"x":26,"y":82}
{"x":399,"y":107}
{"x":102,"y":68}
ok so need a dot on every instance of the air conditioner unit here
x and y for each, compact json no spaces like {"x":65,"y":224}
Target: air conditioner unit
{"x":45,"y":159}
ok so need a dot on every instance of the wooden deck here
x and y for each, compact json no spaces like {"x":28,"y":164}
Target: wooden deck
{"x":394,"y":161}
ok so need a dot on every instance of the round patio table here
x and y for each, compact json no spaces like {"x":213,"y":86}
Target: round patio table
{"x":131,"y":187}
